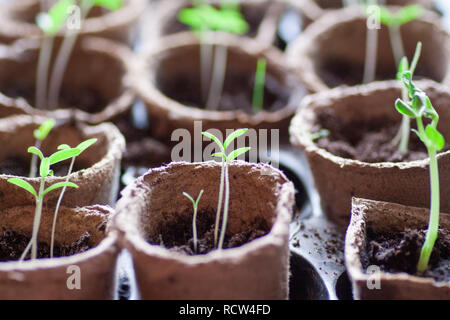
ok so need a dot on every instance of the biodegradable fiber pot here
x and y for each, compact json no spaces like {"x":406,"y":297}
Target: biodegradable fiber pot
{"x":316,"y":8}
{"x":18,"y":21}
{"x":338,"y":179}
{"x":331,"y":52}
{"x":50,"y":278}
{"x":169,"y":85}
{"x":263,"y":17}
{"x":256,"y":270}
{"x":99,"y":166}
{"x":388,"y":218}
{"x":94,"y":84}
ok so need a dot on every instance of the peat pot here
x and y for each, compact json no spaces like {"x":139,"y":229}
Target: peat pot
{"x":18,"y":21}
{"x":96,"y":171}
{"x":170,"y":87}
{"x":317,"y":8}
{"x":331,"y":52}
{"x":391,"y":219}
{"x":362,"y":121}
{"x":153,"y":209}
{"x":89,"y":252}
{"x":94,"y":86}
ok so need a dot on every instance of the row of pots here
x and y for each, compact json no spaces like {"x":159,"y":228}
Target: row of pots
{"x":328,"y":169}
{"x":146,"y":208}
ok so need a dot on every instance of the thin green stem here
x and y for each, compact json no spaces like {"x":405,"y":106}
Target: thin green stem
{"x":225,"y":208}
{"x":370,"y":66}
{"x":61,"y":62}
{"x":405,"y":128}
{"x":219,"y":203}
{"x":36,"y":223}
{"x":396,"y":43}
{"x":194,"y":228}
{"x":258,"y":90}
{"x":45,"y":55}
{"x":58,"y":203}
{"x":206,"y":62}
{"x":218,"y":78}
{"x":33,"y":165}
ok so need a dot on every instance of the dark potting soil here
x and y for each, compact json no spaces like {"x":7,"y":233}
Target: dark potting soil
{"x":338,"y":72}
{"x":237,"y":93}
{"x":18,"y":166}
{"x":176,"y":234}
{"x":86,"y":99}
{"x":13,"y":244}
{"x":367,"y":141}
{"x":400,"y":252}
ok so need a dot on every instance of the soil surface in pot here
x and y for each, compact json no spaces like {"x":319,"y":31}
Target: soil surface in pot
{"x":18,"y":166}
{"x":237,"y":93}
{"x":13,"y":244}
{"x":176,"y":234}
{"x":86,"y":99}
{"x":400,"y":252}
{"x":367,"y":141}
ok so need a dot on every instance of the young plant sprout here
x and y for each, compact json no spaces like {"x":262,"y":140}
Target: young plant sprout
{"x":68,"y":43}
{"x":224,"y":187}
{"x":44,"y":171}
{"x":40,"y":134}
{"x":394,"y":21}
{"x":203,"y":18}
{"x":370,"y":63}
{"x":82,"y":146}
{"x":194,"y":219}
{"x":404,"y":132}
{"x":418,"y":108}
{"x":50,"y":23}
{"x":258,"y":90}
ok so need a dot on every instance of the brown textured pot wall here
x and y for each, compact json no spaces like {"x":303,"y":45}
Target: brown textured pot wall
{"x":180,"y":54}
{"x":256,"y":270}
{"x":47,"y":278}
{"x":338,"y":179}
{"x":98,"y":184}
{"x":18,"y":21}
{"x":388,"y":217}
{"x":338,"y":39}
{"x":97,"y":66}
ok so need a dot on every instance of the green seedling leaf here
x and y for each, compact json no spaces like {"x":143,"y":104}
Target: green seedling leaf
{"x":215,"y":139}
{"x":423,"y":139}
{"x":404,"y":108}
{"x":236,"y":153}
{"x":219,"y":155}
{"x":45,"y":167}
{"x":231,"y":21}
{"x":109,"y":4}
{"x":50,"y":23}
{"x":24,"y":185}
{"x":86,"y":144}
{"x":233,"y":136}
{"x":408,"y":13}
{"x":59,"y":185}
{"x":36,"y":151}
{"x":435,"y":138}
{"x":194,"y":202}
{"x":402,"y":68}
{"x":386,"y":16}
{"x":190,"y":198}
{"x":44,"y":129}
{"x":64,"y":155}
{"x":51,"y":173}
{"x":63,"y":147}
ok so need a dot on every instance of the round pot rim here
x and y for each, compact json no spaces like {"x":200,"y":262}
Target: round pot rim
{"x":273,"y":240}
{"x":115,"y":140}
{"x":112,"y":19}
{"x":147,"y":90}
{"x":352,"y":262}
{"x":299,"y":128}
{"x":113,"y":49}
{"x":301,"y":47}
{"x":109,"y":244}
